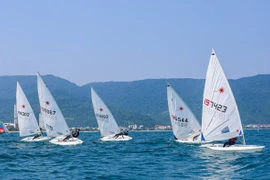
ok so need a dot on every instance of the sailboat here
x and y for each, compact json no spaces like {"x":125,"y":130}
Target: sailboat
{"x":3,"y":128}
{"x":26,"y":118}
{"x":185,"y":126}
{"x":220,"y":117}
{"x":107,"y":125}
{"x":53,"y":118}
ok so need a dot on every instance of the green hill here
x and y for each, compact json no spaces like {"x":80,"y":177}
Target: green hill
{"x":138,"y":102}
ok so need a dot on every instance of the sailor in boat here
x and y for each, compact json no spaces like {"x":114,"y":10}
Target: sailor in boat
{"x":39,"y":134}
{"x":195,"y":138}
{"x":230,"y":142}
{"x":75,"y":134}
{"x":125,"y":133}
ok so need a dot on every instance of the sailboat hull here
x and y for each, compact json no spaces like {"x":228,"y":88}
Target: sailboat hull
{"x":194,"y":138}
{"x":192,"y":142}
{"x":120,"y":138}
{"x":69,"y":142}
{"x":240,"y":147}
{"x":188,"y":141}
{"x":30,"y":139}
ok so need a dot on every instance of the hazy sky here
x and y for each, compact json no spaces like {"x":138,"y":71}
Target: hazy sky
{"x":124,"y":40}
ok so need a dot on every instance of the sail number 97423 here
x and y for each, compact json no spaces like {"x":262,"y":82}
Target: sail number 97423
{"x":212,"y":104}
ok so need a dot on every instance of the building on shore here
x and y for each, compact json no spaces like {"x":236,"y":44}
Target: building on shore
{"x":257,"y":126}
{"x":10,"y":126}
{"x":160,"y":127}
{"x":136,"y":127}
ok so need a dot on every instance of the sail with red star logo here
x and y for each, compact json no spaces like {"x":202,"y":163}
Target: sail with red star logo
{"x":106,"y":122}
{"x":26,"y":118}
{"x":184,"y":122}
{"x":54,"y":121}
{"x":220,"y":110}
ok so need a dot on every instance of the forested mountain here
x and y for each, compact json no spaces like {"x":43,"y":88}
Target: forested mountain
{"x":137,"y":102}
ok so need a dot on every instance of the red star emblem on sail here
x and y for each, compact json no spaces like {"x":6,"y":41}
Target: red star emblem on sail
{"x":181,"y":108}
{"x":23,"y":106}
{"x":47,"y":102}
{"x":101,"y":109}
{"x":221,"y":90}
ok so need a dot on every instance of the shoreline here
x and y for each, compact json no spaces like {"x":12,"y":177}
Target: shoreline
{"x":246,"y":129}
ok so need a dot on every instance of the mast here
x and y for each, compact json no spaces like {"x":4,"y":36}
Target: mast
{"x":244,"y":141}
{"x":16,"y":126}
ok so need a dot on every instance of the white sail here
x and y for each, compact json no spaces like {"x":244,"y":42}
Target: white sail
{"x":54,"y":121}
{"x":184,"y":122}
{"x":106,"y":122}
{"x":220,"y":116}
{"x":26,"y":117}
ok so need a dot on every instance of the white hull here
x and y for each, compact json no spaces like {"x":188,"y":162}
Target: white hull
{"x":188,"y":141}
{"x":194,"y":138}
{"x":69,"y":142}
{"x":120,"y":138}
{"x":192,"y":142}
{"x":240,"y":147}
{"x":30,"y":139}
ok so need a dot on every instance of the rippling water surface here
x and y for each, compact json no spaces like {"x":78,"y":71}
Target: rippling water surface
{"x":149,"y":155}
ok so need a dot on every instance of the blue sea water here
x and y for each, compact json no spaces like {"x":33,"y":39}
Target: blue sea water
{"x":149,"y":155}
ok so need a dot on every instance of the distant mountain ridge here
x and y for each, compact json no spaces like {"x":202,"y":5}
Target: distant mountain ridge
{"x":137,"y":102}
